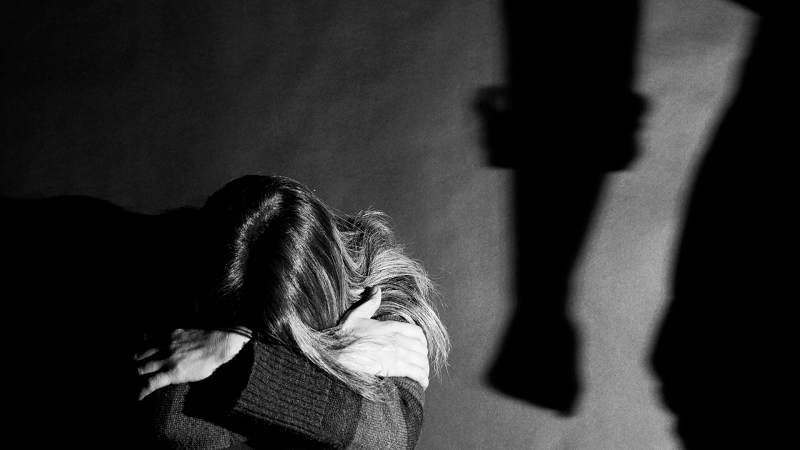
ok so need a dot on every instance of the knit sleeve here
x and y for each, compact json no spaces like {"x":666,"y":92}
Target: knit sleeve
{"x":286,"y":397}
{"x":286,"y":390}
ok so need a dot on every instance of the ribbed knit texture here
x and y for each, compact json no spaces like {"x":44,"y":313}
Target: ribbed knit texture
{"x":286,"y":390}
{"x":278,"y":399}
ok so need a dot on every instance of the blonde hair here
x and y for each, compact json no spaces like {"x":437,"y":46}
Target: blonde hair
{"x":293,"y":267}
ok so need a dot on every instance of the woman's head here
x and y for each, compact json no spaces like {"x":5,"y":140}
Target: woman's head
{"x":291,"y":267}
{"x":282,"y":255}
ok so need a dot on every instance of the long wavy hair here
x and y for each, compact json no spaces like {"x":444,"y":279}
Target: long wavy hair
{"x":291,"y":267}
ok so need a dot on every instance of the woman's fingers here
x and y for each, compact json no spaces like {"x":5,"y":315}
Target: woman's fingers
{"x":365,"y":310}
{"x":389,"y":348}
{"x":414,"y":372}
{"x":410,"y":363}
{"x":188,"y":356}
{"x":408,"y":330}
{"x":157,"y":381}
{"x":416,"y":359}
{"x":412,"y":331}
{"x":145,"y":354}
{"x":411,"y":344}
{"x":150,"y":367}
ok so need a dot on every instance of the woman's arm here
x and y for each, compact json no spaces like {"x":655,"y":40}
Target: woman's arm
{"x":271,"y":394}
{"x":385,"y":348}
{"x":285,"y":390}
{"x":268,"y":389}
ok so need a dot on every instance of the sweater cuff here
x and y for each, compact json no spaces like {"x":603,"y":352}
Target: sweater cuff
{"x":286,"y":390}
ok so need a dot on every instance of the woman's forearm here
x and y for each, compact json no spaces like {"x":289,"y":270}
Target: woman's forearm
{"x":286,"y":390}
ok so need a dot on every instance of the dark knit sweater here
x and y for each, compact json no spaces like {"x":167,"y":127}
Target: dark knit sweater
{"x":271,"y":397}
{"x":102,"y":265}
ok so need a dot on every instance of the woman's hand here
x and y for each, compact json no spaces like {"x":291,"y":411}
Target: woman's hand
{"x":389,"y":349}
{"x":192,"y":355}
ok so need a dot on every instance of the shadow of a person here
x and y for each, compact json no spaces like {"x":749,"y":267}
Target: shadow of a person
{"x":568,"y":116}
{"x":724,"y":351}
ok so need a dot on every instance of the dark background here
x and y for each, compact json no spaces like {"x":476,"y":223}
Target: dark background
{"x":154,"y":105}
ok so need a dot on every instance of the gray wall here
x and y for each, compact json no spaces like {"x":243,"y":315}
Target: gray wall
{"x":154,"y":105}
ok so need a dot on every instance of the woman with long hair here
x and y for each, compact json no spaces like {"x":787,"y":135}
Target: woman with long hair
{"x":286,"y":322}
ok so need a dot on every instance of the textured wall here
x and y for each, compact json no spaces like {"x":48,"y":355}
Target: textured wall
{"x":153,"y":105}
